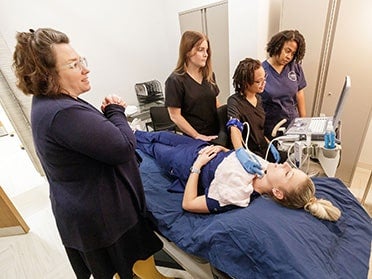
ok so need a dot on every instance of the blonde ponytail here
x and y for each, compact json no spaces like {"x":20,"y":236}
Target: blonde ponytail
{"x":303,"y":197}
{"x":322,"y":209}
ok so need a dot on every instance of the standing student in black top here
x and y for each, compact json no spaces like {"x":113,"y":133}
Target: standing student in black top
{"x":191,"y":90}
{"x":245,"y":106}
{"x":89,"y":160}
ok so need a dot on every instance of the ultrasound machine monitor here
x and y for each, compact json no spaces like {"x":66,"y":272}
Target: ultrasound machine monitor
{"x":316,"y":126}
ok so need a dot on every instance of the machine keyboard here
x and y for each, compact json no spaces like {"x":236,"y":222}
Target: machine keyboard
{"x":317,"y":125}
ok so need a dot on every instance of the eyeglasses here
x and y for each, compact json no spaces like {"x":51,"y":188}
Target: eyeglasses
{"x":262,"y":81}
{"x":77,"y":65}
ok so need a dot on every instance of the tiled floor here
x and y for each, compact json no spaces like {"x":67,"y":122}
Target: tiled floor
{"x":39,"y":254}
{"x":358,"y":187}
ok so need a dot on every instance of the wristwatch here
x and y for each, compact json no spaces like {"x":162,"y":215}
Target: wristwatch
{"x":194,"y":170}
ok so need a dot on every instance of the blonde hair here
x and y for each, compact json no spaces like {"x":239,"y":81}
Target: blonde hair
{"x":303,"y":196}
{"x":322,"y":209}
{"x":189,"y":40}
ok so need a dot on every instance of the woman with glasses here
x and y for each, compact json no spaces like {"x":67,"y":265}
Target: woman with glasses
{"x":220,"y":179}
{"x":191,"y":90}
{"x":283,"y":97}
{"x":89,"y":160}
{"x":245,"y":107}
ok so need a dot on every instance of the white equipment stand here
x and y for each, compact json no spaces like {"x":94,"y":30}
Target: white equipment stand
{"x":329,"y":159}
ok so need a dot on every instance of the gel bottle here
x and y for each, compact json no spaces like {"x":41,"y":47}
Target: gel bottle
{"x":330,"y":137}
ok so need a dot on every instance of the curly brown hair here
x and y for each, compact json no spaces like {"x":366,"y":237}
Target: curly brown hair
{"x":34,"y":61}
{"x":244,"y":74}
{"x":276,"y":43}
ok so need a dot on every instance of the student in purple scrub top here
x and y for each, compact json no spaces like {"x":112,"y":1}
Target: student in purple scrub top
{"x":283,"y":97}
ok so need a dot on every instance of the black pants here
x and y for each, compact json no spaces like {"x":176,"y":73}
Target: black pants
{"x":139,"y":243}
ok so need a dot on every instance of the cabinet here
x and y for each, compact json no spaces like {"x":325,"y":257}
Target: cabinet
{"x":11,"y":222}
{"x":212,"y":20}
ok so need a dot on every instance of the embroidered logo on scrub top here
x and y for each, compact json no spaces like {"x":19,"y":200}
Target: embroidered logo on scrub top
{"x":292,"y":76}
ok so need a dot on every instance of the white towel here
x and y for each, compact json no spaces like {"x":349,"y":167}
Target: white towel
{"x":231,"y":183}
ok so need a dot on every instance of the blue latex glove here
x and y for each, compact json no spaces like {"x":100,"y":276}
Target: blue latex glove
{"x":248,"y":163}
{"x":275,"y":153}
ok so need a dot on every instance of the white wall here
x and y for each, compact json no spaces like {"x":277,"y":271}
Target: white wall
{"x":250,"y":25}
{"x":365,"y":159}
{"x":132,"y":41}
{"x":124,"y":41}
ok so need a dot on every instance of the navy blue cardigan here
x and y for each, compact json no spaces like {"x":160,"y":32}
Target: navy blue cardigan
{"x":89,"y":160}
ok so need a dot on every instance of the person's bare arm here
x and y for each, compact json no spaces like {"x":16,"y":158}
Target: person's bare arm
{"x":301,"y":106}
{"x":191,"y":201}
{"x":218,"y":103}
{"x":236,"y":137}
{"x":184,"y":125}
